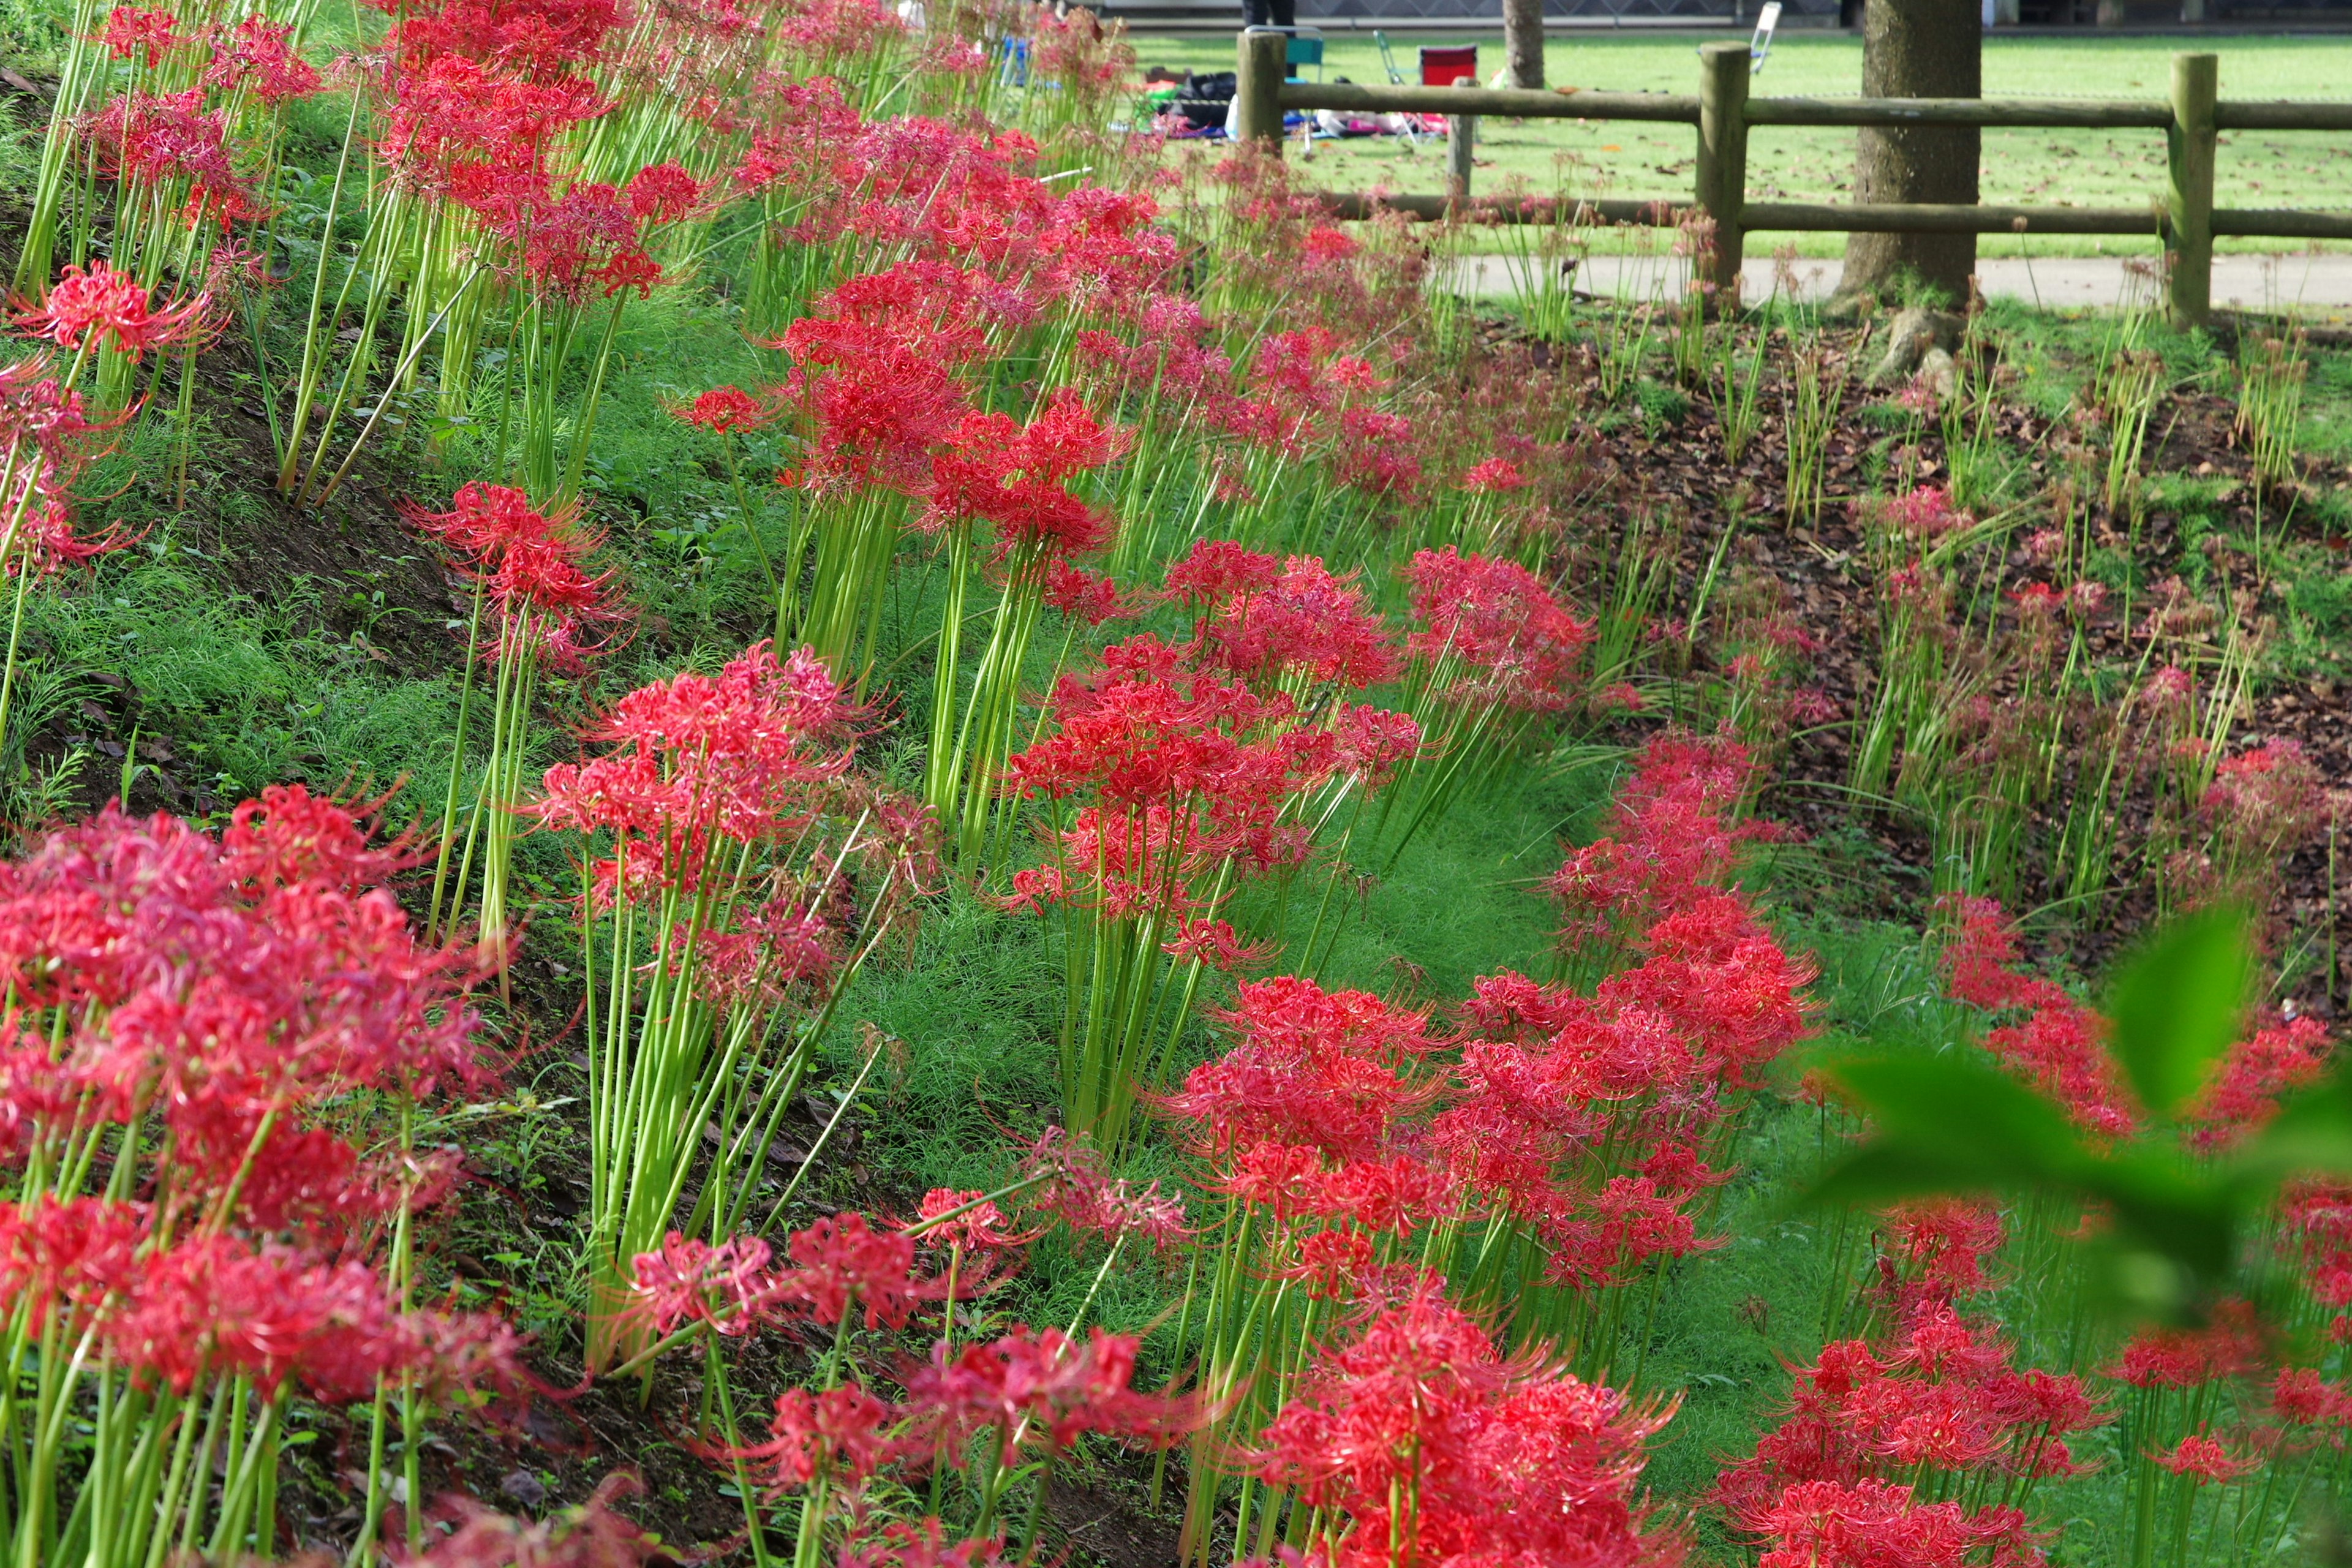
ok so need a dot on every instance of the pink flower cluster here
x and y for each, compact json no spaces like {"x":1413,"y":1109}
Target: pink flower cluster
{"x":226,"y":997}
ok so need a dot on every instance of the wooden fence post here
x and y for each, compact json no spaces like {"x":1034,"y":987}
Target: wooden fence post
{"x":2188,"y":196}
{"x":1257,"y":89}
{"x":1461,"y":143}
{"x":1722,"y":178}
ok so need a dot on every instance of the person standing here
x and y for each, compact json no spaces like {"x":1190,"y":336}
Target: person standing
{"x":1270,"y":13}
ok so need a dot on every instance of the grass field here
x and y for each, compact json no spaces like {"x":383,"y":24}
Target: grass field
{"x":2071,"y":168}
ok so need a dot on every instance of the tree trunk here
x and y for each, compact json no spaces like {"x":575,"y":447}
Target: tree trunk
{"x":1523,"y":41}
{"x":1917,"y":49}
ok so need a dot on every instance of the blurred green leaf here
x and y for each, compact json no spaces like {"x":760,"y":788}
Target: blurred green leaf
{"x":2179,"y":1004}
{"x":1944,"y":1123}
{"x":2312,"y":1133}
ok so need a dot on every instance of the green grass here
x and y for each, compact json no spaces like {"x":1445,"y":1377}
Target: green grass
{"x":2073,"y":168}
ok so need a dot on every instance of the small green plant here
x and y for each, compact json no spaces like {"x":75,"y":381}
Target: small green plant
{"x":2272,"y":372}
{"x":1809,"y":403}
{"x":1735,"y":387}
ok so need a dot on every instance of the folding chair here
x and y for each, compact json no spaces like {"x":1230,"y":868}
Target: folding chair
{"x":1767,"y":20}
{"x":1388,"y":58}
{"x":1304,"y":49}
{"x":1301,"y":46}
{"x":1443,"y":65}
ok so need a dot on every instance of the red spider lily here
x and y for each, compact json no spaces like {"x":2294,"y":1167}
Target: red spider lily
{"x":839,"y":29}
{"x":226,"y":1003}
{"x":45,"y":421}
{"x":1511,"y":640}
{"x":831,"y":1269}
{"x":261,"y":56}
{"x":458,"y":128}
{"x":842,"y":1436}
{"x":900,"y":1545}
{"x":308,"y":987}
{"x":1082,"y":596}
{"x":2299,"y":1396}
{"x":1336,"y":1071}
{"x":2200,"y":1458}
{"x":1942,"y":1399}
{"x":876,"y":373}
{"x":763,"y":956}
{"x":1925,"y":514}
{"x":2316,"y":1229}
{"x":155,"y":139}
{"x":2259,"y":1071}
{"x":976,"y":1223}
{"x":691,"y":1281}
{"x":1376,"y":454}
{"x":2231,"y":1344}
{"x":1980,"y":959}
{"x":726,"y":409}
{"x":542,"y":38}
{"x":1879,"y":1524}
{"x":663,"y":192}
{"x":1146,"y":731}
{"x":584,"y":240}
{"x":1216,"y":571}
{"x":1171,"y":353}
{"x":740,"y":757}
{"x":217,"y":1307}
{"x":1941,"y":1244}
{"x":100,"y":304}
{"x":1041,"y":1387}
{"x":1670,"y":835}
{"x":1429,"y":1446}
{"x":1081,"y":1194}
{"x":1496,"y":475}
{"x":531,"y":564}
{"x":2060,"y":1047}
{"x":1016,"y":478}
{"x":1305,"y":625}
{"x":592,"y":1535}
{"x":131,"y":30}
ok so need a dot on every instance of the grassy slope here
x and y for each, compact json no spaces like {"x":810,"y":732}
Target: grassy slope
{"x":260,"y":691}
{"x":2075,"y":168}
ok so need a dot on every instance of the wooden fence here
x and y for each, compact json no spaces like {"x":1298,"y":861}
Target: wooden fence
{"x":2184,"y":217}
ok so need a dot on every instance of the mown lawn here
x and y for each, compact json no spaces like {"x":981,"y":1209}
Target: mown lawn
{"x":2073,"y":168}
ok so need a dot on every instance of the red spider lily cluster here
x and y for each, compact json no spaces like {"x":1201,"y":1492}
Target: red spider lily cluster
{"x":1016,"y":479}
{"x":228,"y":994}
{"x":1281,"y":625}
{"x":1491,"y":634}
{"x":532,"y":568}
{"x":2059,"y":1047}
{"x":1431,"y":1446}
{"x":704,"y":769}
{"x":1185,"y":775}
{"x":988,"y":1404}
{"x":944,"y":193}
{"x":739,"y":873}
{"x":1555,"y":1139}
{"x":477,"y":101}
{"x":1875,"y":1432}
{"x":1175,"y":777}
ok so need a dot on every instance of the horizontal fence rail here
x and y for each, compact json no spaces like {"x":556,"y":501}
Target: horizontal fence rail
{"x":2183,"y":217}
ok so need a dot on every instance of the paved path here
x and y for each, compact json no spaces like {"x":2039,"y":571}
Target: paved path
{"x":2319,"y":286}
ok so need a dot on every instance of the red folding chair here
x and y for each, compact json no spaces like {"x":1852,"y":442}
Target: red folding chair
{"x":1439,"y":67}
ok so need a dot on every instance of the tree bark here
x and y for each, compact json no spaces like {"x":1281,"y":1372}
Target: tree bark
{"x":1523,"y":42}
{"x":1917,"y":49}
